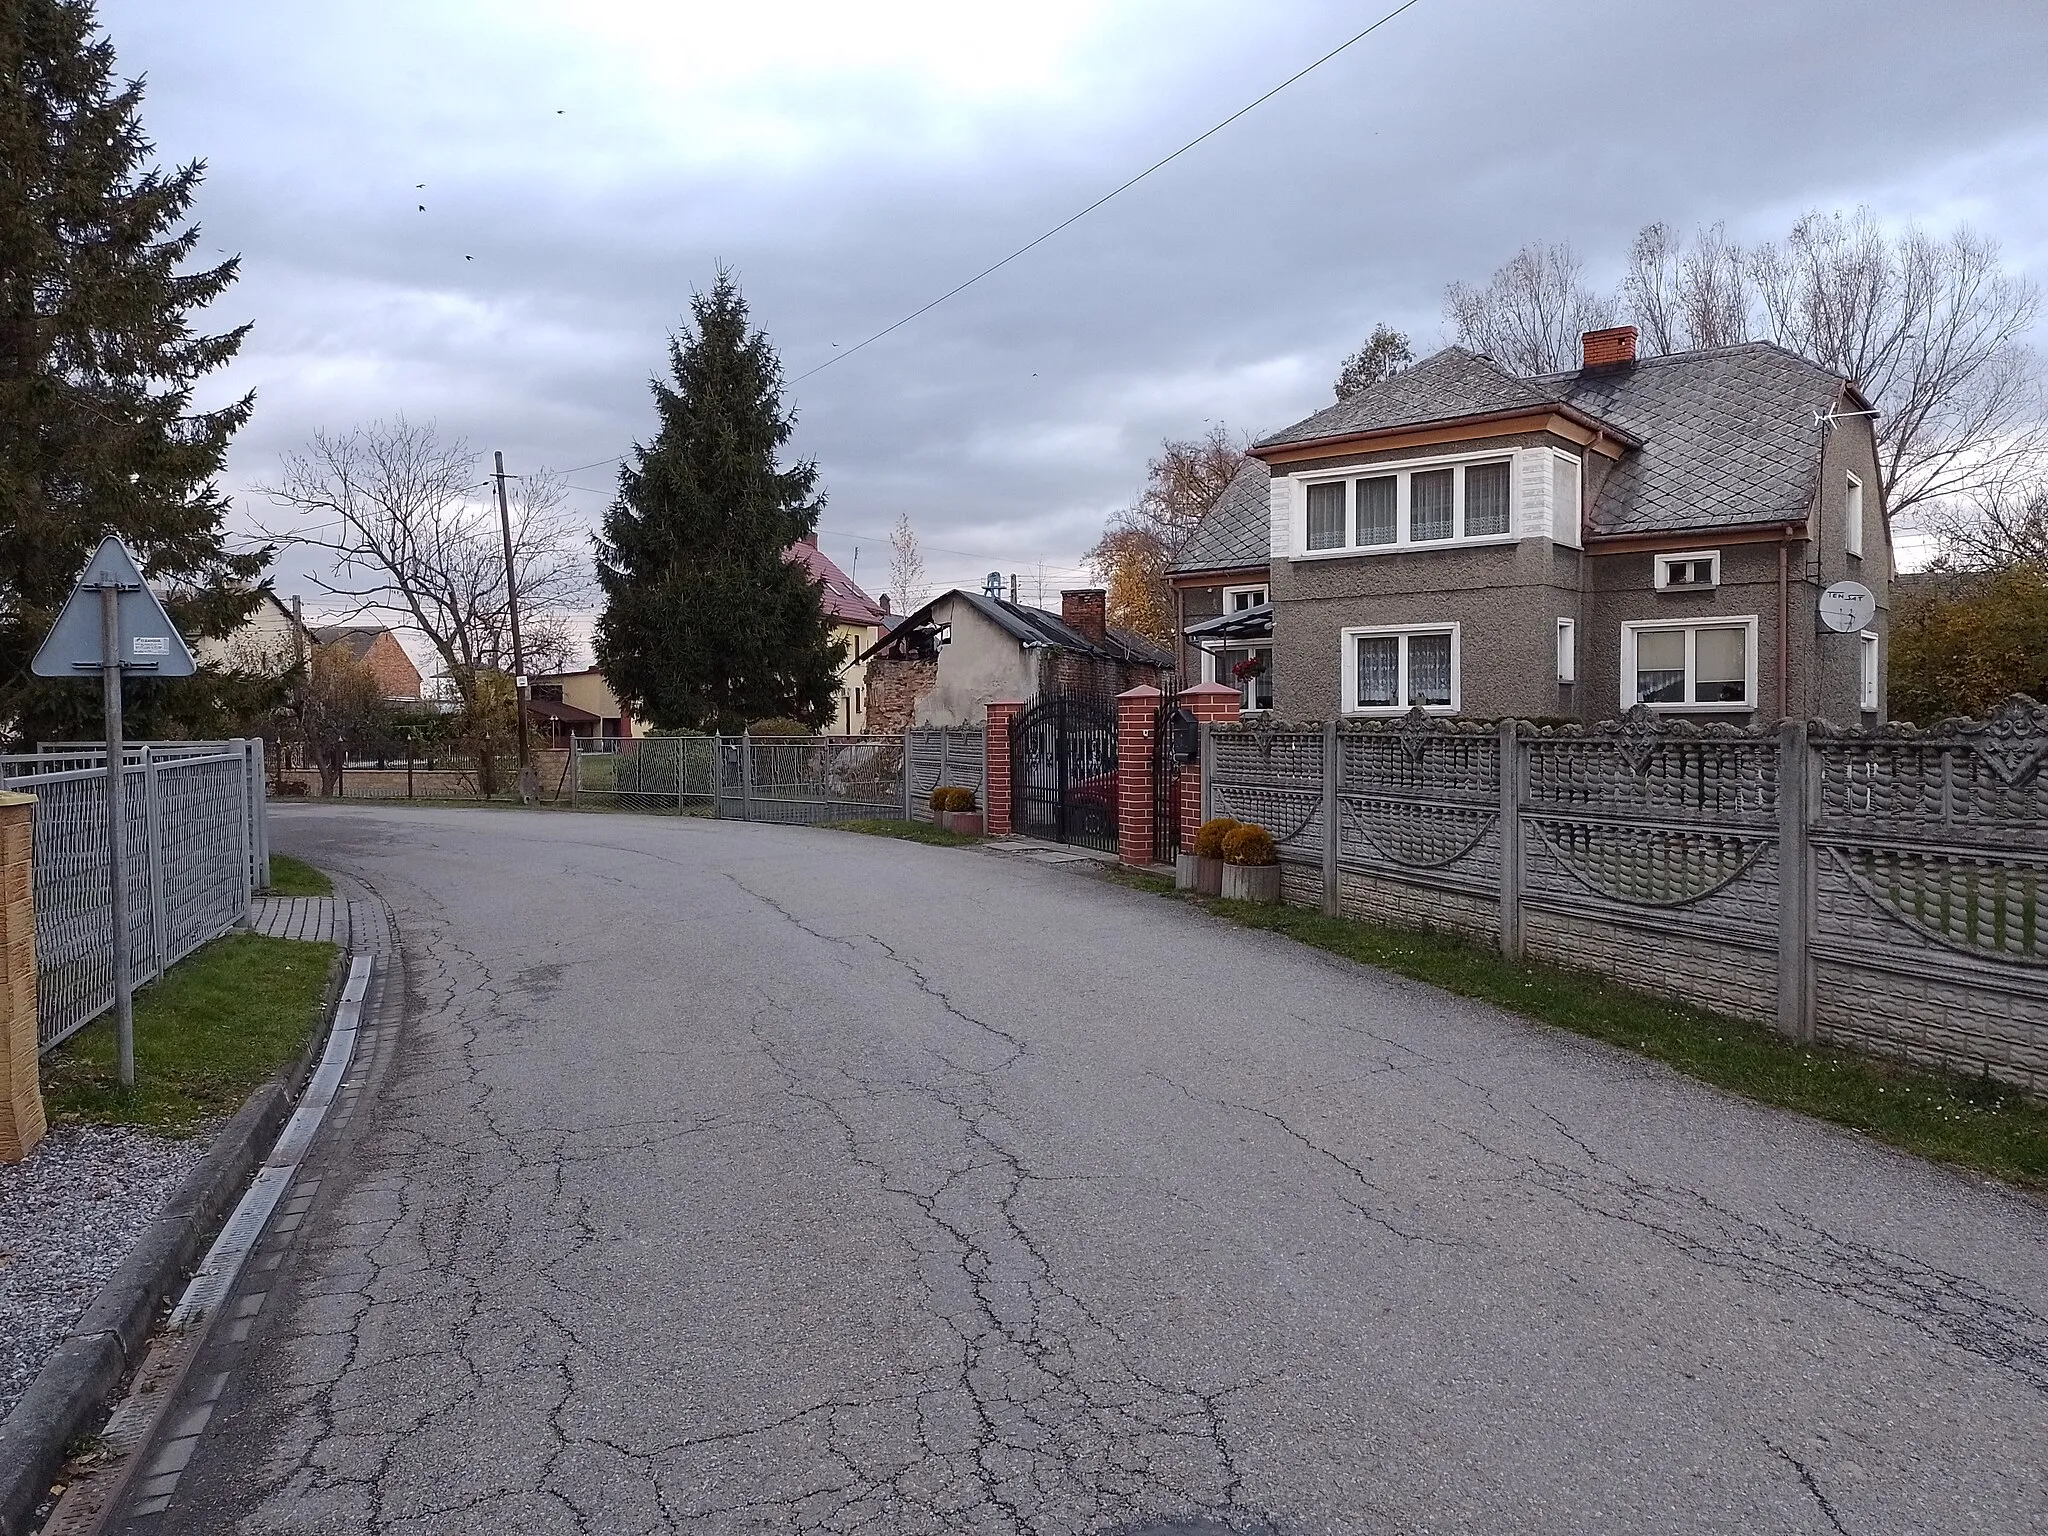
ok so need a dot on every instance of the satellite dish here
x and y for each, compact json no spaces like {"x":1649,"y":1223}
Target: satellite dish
{"x":1847,"y":606}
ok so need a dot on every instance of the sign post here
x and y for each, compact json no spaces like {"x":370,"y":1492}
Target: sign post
{"x":113,"y":624}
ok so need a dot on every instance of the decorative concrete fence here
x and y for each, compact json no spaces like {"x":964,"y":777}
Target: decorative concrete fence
{"x":1875,"y":889}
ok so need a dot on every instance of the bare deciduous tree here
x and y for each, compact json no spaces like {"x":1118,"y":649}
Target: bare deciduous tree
{"x":1529,"y":315}
{"x":413,"y":531}
{"x":906,"y":566}
{"x":2002,"y":526}
{"x":1385,"y":352}
{"x":1931,"y":329}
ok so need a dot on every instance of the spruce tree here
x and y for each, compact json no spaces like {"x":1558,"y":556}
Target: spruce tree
{"x":98,"y":358}
{"x":708,"y":625}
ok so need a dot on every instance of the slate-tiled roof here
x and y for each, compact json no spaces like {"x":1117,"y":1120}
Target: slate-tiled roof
{"x":1442,"y":387}
{"x":1720,"y":439}
{"x":1729,"y":437}
{"x":1236,"y":531}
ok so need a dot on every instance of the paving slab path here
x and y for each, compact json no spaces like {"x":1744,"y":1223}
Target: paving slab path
{"x":728,"y":1178}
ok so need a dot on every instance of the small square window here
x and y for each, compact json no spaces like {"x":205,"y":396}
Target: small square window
{"x":1867,"y":679}
{"x":1689,"y":572}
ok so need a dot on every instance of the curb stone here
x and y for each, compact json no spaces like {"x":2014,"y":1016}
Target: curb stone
{"x":72,"y":1390}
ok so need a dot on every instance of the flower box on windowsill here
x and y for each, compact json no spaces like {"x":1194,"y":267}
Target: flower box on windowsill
{"x":962,"y":823}
{"x":1251,"y":882}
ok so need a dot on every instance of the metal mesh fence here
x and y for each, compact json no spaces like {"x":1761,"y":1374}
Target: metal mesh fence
{"x":797,"y":779}
{"x":196,"y":853}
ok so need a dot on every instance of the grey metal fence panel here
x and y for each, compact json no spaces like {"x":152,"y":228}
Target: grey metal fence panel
{"x":195,"y":839}
{"x":811,"y":780}
{"x":952,"y":755}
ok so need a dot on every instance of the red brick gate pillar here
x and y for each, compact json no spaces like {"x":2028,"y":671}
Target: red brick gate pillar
{"x":1137,"y":720}
{"x":1210,"y":703}
{"x":1002,"y":714}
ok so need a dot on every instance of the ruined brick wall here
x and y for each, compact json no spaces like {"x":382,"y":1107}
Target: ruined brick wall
{"x":893,"y":688}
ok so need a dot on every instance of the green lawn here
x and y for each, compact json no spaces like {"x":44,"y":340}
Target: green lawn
{"x":909,"y":831}
{"x":206,"y":1037}
{"x":295,"y":877}
{"x":1969,"y":1122}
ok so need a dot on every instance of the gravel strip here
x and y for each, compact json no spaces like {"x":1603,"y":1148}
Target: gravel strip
{"x":68,"y":1217}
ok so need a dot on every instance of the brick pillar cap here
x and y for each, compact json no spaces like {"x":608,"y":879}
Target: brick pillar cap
{"x":9,"y":797}
{"x":1007,"y":704}
{"x":1211,"y":691}
{"x":1141,"y":692}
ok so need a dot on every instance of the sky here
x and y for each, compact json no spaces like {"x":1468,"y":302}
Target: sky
{"x":586,"y":167}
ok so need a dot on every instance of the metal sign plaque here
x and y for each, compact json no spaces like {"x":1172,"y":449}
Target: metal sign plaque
{"x":1847,"y":606}
{"x":150,"y":643}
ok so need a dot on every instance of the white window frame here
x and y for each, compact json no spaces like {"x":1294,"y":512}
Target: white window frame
{"x":1212,"y":671}
{"x":1661,"y":572}
{"x":1348,"y":668}
{"x":1745,"y":621}
{"x":1567,"y":650}
{"x":1852,"y":525}
{"x":1400,"y":474}
{"x":1868,"y":671}
{"x":1231,"y":592}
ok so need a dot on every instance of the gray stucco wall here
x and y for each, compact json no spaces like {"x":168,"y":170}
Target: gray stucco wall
{"x":981,"y":665}
{"x":1507,"y":600}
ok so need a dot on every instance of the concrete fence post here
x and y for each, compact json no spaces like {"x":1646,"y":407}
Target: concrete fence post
{"x":909,"y":761}
{"x":259,"y":776}
{"x":21,"y":1099}
{"x":575,"y":770}
{"x":1795,"y":886}
{"x":1511,"y":776}
{"x":1333,"y":904}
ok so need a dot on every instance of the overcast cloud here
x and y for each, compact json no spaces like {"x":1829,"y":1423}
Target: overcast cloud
{"x":586,"y":166}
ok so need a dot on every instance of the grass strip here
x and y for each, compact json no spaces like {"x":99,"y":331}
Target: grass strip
{"x":207,"y":1036}
{"x":1968,"y":1122}
{"x":908,"y":831}
{"x":295,"y":877}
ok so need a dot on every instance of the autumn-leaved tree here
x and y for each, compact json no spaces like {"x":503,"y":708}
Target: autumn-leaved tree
{"x":1141,"y":541}
{"x":342,"y":711}
{"x":100,"y":358}
{"x":1967,"y":643}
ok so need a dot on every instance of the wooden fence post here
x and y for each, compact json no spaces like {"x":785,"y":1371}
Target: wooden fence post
{"x":1795,"y":886}
{"x":21,"y":1099}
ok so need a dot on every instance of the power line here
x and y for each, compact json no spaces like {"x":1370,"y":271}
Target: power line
{"x":1157,"y":165}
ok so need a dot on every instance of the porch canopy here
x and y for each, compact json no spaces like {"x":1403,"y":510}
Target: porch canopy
{"x":1247,"y":626}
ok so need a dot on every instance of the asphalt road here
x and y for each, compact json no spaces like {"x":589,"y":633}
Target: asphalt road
{"x":735,"y":1178}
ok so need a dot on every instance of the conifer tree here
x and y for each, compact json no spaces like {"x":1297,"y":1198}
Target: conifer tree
{"x":98,"y":358}
{"x":708,"y":624}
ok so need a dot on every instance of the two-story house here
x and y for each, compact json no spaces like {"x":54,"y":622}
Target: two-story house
{"x":1656,"y":531}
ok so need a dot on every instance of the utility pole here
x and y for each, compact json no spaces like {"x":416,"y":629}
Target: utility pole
{"x":529,"y":786}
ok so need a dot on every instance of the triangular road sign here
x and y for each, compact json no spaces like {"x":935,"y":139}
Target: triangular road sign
{"x":150,"y":643}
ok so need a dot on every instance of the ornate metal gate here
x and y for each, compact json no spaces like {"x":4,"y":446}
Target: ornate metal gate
{"x":1063,"y":771}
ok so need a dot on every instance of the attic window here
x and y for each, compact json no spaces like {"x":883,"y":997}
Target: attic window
{"x":1694,"y":571}
{"x":1429,"y":503}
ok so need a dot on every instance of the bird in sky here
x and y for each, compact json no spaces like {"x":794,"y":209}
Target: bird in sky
{"x":423,"y":207}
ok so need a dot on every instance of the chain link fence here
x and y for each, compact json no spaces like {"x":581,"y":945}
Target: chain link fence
{"x":198,"y":849}
{"x":790,"y":779}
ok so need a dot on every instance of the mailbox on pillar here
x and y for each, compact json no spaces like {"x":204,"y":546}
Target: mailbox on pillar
{"x":112,"y":624}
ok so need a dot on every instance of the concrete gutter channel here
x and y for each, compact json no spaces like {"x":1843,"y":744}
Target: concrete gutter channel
{"x":71,"y":1392}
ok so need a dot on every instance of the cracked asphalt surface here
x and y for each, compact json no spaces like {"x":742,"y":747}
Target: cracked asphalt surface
{"x":731,"y":1178}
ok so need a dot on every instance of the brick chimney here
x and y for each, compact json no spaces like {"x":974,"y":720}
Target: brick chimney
{"x":1603,"y":349}
{"x":882,"y":602}
{"x":1088,"y":611}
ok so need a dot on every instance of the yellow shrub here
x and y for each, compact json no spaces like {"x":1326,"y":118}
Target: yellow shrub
{"x":1210,"y":834}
